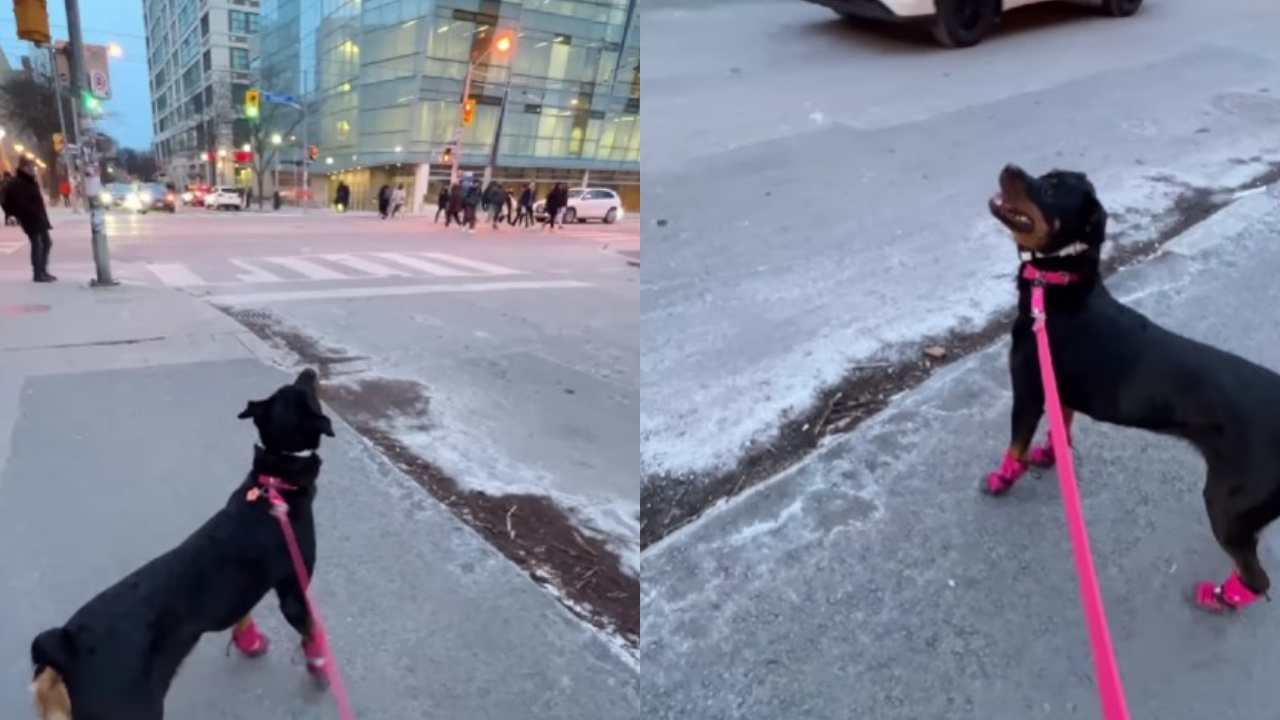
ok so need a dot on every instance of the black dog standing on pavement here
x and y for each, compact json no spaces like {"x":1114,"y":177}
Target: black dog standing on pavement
{"x":116,"y":656}
{"x":1117,"y":366}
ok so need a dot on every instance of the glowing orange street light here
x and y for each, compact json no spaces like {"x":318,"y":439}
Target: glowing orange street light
{"x":502,"y":44}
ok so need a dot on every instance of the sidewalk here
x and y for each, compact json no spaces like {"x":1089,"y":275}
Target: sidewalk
{"x":875,"y":581}
{"x":118,"y":437}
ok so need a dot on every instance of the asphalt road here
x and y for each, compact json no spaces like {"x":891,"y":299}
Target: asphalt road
{"x":823,"y":187}
{"x":875,"y":581}
{"x":524,"y":340}
{"x":118,"y":437}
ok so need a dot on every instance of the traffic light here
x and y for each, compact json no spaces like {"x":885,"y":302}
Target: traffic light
{"x":251,"y":104}
{"x":446,"y":157}
{"x":468,"y":111}
{"x":58,"y":143}
{"x":313,"y":152}
{"x":92,"y":104}
{"x":33,"y":20}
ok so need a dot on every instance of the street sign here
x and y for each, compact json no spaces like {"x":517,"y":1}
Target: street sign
{"x":96,"y":65}
{"x":278,"y":99}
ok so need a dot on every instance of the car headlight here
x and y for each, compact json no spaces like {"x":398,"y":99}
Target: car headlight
{"x":104,"y":198}
{"x":146,"y":197}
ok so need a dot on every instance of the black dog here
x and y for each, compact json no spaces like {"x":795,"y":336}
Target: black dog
{"x":116,"y":656}
{"x":1115,"y":365}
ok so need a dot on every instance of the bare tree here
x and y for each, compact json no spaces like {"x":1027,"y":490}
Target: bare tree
{"x":31,"y":110}
{"x":216,"y":129}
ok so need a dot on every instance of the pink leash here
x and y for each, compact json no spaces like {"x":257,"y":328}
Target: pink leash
{"x":280,"y":509}
{"x":1110,"y":689}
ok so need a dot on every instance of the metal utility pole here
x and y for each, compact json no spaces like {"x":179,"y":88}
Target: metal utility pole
{"x":87,"y":136}
{"x":497,"y":132}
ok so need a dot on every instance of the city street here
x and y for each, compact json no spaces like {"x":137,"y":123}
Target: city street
{"x":496,"y":371}
{"x":824,"y":208}
{"x":819,"y":222}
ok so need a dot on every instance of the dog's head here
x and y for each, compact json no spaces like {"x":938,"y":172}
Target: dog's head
{"x":1050,"y":212}
{"x":291,"y":420}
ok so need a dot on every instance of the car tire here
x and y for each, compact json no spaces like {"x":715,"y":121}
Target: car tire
{"x":965,"y":23}
{"x":1121,"y":8}
{"x":570,"y":215}
{"x":611,"y":217}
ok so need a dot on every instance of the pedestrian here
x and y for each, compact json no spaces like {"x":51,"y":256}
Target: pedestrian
{"x":524,"y":213}
{"x":397,"y":200}
{"x":5,"y":179}
{"x":454,"y":211}
{"x":25,"y":202}
{"x":555,"y":202}
{"x":496,"y":198}
{"x":64,"y":192}
{"x":509,"y":206}
{"x":442,"y":204}
{"x":384,"y":201}
{"x":471,"y":199}
{"x":342,"y":196}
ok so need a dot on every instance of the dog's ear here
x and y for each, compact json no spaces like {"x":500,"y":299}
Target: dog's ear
{"x":1095,"y":224}
{"x":253,"y":409}
{"x":326,"y":425}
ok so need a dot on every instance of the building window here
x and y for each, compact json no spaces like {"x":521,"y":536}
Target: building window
{"x":239,"y":59}
{"x":243,"y":23}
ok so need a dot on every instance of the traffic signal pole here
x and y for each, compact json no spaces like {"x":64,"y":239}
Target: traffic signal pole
{"x":87,"y":138}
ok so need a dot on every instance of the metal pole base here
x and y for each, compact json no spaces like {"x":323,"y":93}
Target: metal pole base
{"x":96,"y":283}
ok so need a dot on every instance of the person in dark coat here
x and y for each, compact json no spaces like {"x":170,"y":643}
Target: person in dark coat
{"x":24,"y":200}
{"x":524,"y":214}
{"x":471,"y":198}
{"x":342,"y":198}
{"x":454,"y":211}
{"x":495,"y":196}
{"x":4,"y":181}
{"x":384,"y":201}
{"x":442,"y":204}
{"x":556,"y":201}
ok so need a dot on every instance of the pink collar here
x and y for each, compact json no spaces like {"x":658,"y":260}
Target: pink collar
{"x":1046,"y":277}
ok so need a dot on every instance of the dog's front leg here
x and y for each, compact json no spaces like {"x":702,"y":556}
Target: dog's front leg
{"x":247,"y":638}
{"x":1028,"y":408}
{"x":293,"y":605}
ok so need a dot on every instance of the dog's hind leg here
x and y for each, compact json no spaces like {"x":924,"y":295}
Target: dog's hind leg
{"x":248,"y":639}
{"x":1028,"y":408}
{"x":1237,"y":533}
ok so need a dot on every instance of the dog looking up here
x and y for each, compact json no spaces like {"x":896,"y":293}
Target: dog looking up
{"x":1117,"y":366}
{"x":117,"y":655}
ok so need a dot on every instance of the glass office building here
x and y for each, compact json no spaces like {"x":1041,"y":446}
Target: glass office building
{"x":382,"y":82}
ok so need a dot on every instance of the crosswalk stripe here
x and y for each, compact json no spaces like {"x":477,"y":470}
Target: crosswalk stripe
{"x":253,"y":273}
{"x":175,"y":274}
{"x":425,"y":266}
{"x":481,"y":267}
{"x":10,"y":248}
{"x":307,"y":268}
{"x":365,"y":266}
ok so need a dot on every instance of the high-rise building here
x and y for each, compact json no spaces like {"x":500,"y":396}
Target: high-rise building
{"x":198,"y":55}
{"x":382,"y":85}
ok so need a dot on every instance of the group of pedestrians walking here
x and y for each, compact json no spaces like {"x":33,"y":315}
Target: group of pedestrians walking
{"x":462,"y":202}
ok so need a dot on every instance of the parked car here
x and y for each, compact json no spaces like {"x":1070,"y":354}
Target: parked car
{"x":194,"y":195}
{"x":955,"y":23}
{"x":224,"y":197}
{"x":586,"y":204}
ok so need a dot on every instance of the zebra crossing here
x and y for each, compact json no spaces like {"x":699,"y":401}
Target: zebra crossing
{"x":8,"y":247}
{"x":332,"y":267}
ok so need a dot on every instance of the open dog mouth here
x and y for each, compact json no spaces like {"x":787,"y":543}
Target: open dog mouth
{"x":1015,"y":220}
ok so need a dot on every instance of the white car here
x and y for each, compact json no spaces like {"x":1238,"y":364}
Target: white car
{"x":224,"y":197}
{"x":955,"y":23}
{"x":587,"y":204}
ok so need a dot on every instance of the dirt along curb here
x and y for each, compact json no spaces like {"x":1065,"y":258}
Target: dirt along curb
{"x":668,"y":502}
{"x":530,"y":530}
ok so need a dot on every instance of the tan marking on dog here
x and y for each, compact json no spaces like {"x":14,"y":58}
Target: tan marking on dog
{"x":243,"y":623}
{"x":50,"y":696}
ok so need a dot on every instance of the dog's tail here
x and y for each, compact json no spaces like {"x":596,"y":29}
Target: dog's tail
{"x":52,"y":653}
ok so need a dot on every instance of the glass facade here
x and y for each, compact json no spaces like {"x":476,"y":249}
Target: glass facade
{"x":383,"y":81}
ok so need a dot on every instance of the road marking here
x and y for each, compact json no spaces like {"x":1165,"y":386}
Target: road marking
{"x":482,"y":267}
{"x":9,"y":248}
{"x":369,"y":267}
{"x":254,"y":274}
{"x":372,"y":292}
{"x":175,"y":274}
{"x":306,"y":268}
{"x":425,"y":266}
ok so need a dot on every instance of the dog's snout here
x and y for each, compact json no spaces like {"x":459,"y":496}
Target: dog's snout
{"x":306,"y":379}
{"x":1013,"y":178}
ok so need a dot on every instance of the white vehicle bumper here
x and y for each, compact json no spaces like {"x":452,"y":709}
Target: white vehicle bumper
{"x":882,"y":9}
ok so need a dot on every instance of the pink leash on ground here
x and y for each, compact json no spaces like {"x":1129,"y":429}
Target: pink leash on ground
{"x":280,"y":509}
{"x":1110,"y":689}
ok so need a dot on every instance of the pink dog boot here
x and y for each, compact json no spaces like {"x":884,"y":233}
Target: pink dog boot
{"x":1230,"y":595}
{"x":316,"y":651}
{"x":1002,"y":480}
{"x":1042,"y":456}
{"x":250,"y":641}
